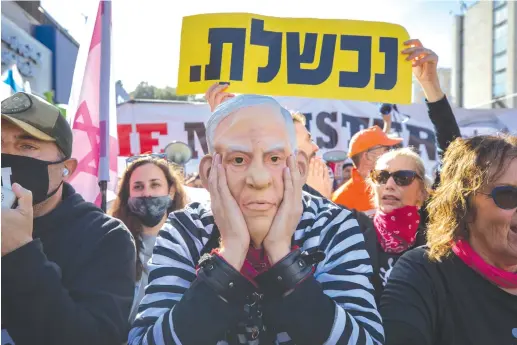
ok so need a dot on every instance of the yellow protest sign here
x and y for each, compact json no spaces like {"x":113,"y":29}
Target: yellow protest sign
{"x":318,"y":58}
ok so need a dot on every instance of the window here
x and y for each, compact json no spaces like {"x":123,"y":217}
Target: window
{"x":499,"y":84}
{"x":498,"y":4}
{"x":500,"y":62}
{"x":500,"y":38}
{"x":500,"y":15}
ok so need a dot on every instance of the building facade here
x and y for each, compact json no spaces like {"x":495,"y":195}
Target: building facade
{"x":44,"y":52}
{"x":484,"y":72}
{"x":20,"y":48}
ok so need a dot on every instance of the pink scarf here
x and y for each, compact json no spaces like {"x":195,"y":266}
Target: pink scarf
{"x":396,"y":231}
{"x":497,"y":276}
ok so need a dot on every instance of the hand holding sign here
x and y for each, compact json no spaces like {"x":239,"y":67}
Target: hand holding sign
{"x":425,"y":63}
{"x":216,"y":95}
{"x":423,"y":60}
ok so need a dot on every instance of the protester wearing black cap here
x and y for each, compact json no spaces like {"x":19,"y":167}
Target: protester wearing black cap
{"x":67,"y":268}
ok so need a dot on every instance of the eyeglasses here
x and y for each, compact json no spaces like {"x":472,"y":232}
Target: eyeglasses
{"x":401,"y":177}
{"x":504,"y":197}
{"x":386,"y":148}
{"x":150,"y":155}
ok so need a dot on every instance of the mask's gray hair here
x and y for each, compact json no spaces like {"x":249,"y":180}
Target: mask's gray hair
{"x":236,"y":103}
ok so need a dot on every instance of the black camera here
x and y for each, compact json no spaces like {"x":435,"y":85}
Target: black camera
{"x":387,"y":108}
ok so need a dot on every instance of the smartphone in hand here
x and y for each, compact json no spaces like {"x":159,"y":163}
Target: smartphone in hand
{"x":8,"y":198}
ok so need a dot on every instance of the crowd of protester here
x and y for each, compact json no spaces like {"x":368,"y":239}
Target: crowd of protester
{"x":280,"y":253}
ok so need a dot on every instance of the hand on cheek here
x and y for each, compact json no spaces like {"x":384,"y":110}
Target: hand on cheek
{"x":228,"y":217}
{"x":277,"y":243}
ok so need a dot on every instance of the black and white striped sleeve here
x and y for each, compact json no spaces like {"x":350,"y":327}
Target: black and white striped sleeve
{"x":171,"y":272}
{"x":344,"y":276}
{"x":176,"y":299}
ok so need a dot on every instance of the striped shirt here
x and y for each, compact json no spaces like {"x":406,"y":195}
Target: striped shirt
{"x":343,"y":274}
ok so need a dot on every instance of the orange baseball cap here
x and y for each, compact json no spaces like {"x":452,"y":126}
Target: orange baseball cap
{"x":369,"y":138}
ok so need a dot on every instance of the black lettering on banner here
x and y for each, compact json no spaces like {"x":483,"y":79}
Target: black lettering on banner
{"x":379,"y":122}
{"x":363,"y":46}
{"x":217,"y":37}
{"x":395,"y":126}
{"x":361,"y":78}
{"x":388,"y":79}
{"x":298,"y":75}
{"x":272,"y":40}
{"x":416,"y":139}
{"x":196,"y":129}
{"x":354,"y":124}
{"x":308,"y":119}
{"x":327,"y":130}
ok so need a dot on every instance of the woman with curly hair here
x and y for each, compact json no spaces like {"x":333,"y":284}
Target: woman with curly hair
{"x":462,"y":288}
{"x":149,"y":190}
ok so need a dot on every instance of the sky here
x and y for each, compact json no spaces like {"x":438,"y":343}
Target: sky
{"x":146,"y":33}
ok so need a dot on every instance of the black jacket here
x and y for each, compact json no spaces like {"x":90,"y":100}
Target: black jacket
{"x":446,"y":130}
{"x":74,"y":283}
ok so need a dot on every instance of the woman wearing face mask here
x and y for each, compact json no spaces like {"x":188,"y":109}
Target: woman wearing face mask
{"x":149,"y":190}
{"x":462,"y":288}
{"x":400,"y":189}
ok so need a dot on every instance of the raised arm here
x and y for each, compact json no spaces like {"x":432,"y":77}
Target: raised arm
{"x":387,"y":123}
{"x":425,"y":63}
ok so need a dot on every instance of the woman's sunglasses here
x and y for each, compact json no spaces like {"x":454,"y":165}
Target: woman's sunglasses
{"x":401,"y":177}
{"x":504,"y":197}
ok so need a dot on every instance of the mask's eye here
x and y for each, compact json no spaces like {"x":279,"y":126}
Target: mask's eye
{"x":238,"y":160}
{"x":275,"y":159}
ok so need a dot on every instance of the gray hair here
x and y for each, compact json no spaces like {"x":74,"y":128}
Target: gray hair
{"x":236,"y":103}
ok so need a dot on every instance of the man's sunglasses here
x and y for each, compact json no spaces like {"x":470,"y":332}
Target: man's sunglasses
{"x":504,"y":197}
{"x":150,"y":155}
{"x":401,"y":177}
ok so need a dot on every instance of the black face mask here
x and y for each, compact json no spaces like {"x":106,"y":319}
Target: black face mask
{"x":149,"y":209}
{"x":30,"y":173}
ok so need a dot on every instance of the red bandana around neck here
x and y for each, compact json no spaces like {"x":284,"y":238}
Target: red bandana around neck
{"x":396,"y":230}
{"x":497,"y":276}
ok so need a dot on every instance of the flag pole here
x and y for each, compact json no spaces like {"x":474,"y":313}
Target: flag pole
{"x":104,"y":101}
